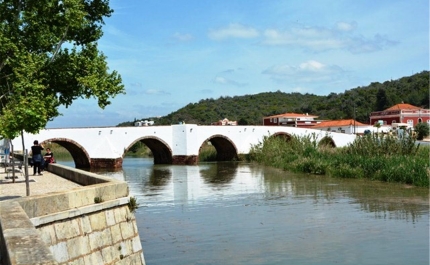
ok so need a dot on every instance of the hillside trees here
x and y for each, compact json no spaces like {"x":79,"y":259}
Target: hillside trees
{"x":381,"y":100}
{"x":49,"y":57}
{"x":251,"y":109}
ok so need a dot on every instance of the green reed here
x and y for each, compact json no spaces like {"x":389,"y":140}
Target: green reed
{"x":207,"y":153}
{"x":372,"y":156}
{"x":58,"y":151}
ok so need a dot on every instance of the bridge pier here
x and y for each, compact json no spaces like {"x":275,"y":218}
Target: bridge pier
{"x":185,"y":160}
{"x":106,"y":163}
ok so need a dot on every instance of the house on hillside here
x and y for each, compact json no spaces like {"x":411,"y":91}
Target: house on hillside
{"x":225,"y":121}
{"x":349,"y":126}
{"x":401,"y":113}
{"x":291,"y":119}
{"x":143,"y":123}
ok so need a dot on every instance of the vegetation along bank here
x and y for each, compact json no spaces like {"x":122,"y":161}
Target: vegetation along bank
{"x":373,"y":157}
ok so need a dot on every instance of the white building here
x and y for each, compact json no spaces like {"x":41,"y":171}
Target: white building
{"x":144,"y":123}
{"x":350,"y":126}
{"x":291,"y":119}
{"x":225,"y":121}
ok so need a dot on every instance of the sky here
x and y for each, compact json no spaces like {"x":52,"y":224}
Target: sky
{"x":170,"y":53}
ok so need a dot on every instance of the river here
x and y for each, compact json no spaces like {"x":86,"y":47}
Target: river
{"x":238,"y":213}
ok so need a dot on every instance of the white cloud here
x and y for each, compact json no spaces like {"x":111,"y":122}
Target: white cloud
{"x":136,"y":84}
{"x":228,"y":71}
{"x":314,"y":39}
{"x":312,"y":66}
{"x":114,"y":31}
{"x":220,"y":80}
{"x":345,"y":26}
{"x":206,"y":91}
{"x":183,"y":37}
{"x":156,"y":92}
{"x":226,"y":81}
{"x":310,"y":71}
{"x":362,"y":45}
{"x":233,"y":31}
{"x":318,"y":39}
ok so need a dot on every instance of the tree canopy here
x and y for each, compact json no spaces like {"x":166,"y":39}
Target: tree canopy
{"x":49,"y":57}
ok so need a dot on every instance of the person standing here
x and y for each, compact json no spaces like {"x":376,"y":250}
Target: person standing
{"x":36,"y":152}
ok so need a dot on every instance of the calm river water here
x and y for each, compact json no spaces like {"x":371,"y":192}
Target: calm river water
{"x":236,"y":213}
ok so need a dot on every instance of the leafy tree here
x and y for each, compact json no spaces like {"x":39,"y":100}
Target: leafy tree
{"x":377,"y":125}
{"x":422,"y":129}
{"x":242,"y":121}
{"x":381,"y":100}
{"x":49,"y":57}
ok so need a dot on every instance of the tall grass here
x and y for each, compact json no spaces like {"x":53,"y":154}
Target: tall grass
{"x":59,"y":152}
{"x":371,"y":156}
{"x":207,"y":153}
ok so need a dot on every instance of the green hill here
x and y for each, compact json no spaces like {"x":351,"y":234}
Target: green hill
{"x":250,"y":109}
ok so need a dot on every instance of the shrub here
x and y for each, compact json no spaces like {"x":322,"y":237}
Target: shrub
{"x":132,"y":204}
{"x":98,"y":199}
{"x":208,"y":153}
{"x":345,"y":171}
{"x":422,"y":129}
{"x":309,"y":165}
{"x":377,"y":145}
{"x":374,"y":157}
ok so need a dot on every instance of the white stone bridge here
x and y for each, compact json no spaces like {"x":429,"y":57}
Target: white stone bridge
{"x":105,"y":147}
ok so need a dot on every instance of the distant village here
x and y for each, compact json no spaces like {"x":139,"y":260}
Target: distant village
{"x":403,"y":115}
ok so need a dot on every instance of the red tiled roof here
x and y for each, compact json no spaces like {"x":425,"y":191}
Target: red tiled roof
{"x":292,"y":115}
{"x":337,"y":123}
{"x":402,"y":106}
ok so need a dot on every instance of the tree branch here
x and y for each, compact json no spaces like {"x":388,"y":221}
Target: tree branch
{"x":2,"y":64}
{"x":58,"y":45}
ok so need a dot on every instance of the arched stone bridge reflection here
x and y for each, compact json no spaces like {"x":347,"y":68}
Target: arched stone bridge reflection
{"x":105,"y":147}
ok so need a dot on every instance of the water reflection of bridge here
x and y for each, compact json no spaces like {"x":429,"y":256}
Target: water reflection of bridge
{"x":193,"y":184}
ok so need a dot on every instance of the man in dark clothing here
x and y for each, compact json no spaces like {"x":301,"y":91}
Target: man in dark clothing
{"x":36,"y":152}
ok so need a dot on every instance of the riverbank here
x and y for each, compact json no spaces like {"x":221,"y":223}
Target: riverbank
{"x":372,"y":157}
{"x":39,"y":184}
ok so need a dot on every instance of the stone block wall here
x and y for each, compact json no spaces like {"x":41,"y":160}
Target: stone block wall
{"x":70,"y":227}
{"x":106,"y":162}
{"x":107,"y":236}
{"x":185,"y":160}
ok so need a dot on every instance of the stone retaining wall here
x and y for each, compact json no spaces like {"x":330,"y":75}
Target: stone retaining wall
{"x":69,"y":227}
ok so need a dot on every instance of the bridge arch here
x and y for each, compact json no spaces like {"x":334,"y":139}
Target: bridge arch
{"x":161,"y":151}
{"x":327,"y":141}
{"x":284,"y":135}
{"x":79,"y":154}
{"x":225,"y":147}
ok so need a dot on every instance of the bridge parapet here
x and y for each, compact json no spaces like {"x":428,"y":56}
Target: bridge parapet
{"x":175,"y":144}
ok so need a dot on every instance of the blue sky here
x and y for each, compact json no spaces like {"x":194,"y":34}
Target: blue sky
{"x":174,"y":52}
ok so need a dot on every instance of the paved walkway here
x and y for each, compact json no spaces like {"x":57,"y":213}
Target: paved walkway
{"x":46,"y":183}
